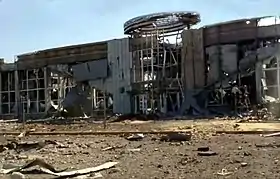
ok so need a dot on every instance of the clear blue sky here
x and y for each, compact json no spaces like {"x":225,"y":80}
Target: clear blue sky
{"x":30,"y":25}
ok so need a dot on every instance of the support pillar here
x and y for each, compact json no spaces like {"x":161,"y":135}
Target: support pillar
{"x":46,"y":86}
{"x":0,"y":93}
{"x":17,"y":93}
{"x":278,"y":77}
{"x":259,"y":88}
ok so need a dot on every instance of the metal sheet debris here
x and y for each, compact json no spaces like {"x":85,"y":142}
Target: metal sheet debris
{"x":49,"y":169}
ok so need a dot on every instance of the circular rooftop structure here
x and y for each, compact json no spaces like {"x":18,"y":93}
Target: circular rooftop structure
{"x":165,"y":21}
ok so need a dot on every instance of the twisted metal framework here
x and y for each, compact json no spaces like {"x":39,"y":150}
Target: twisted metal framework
{"x":164,"y":21}
{"x":156,"y":40}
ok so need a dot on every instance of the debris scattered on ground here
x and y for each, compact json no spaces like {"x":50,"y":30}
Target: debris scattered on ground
{"x":155,"y":158}
{"x":59,"y":144}
{"x":134,"y":150}
{"x":203,"y":149}
{"x":207,"y":153}
{"x":224,"y":172}
{"x":135,"y":137}
{"x":176,"y":137}
{"x":108,"y":148}
{"x":268,"y":145}
{"x":49,"y":169}
{"x":29,"y":164}
{"x":8,"y":166}
{"x":112,"y":148}
{"x":188,"y":160}
{"x":276,"y":134}
{"x":244,"y":164}
{"x":22,"y":145}
{"x":134,"y":117}
{"x":23,"y":134}
{"x":91,"y":176}
{"x":236,"y":126}
{"x":17,"y":175}
{"x":246,"y":132}
{"x":90,"y":132}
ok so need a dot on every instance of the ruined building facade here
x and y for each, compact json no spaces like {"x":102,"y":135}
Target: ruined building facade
{"x":164,"y":65}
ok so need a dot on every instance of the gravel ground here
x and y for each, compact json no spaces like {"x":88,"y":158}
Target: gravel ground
{"x":238,"y":156}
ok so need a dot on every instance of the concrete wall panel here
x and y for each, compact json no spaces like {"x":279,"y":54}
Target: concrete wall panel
{"x":90,"y":70}
{"x":120,"y":60}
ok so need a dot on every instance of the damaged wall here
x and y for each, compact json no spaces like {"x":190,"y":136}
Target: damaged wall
{"x":228,"y":63}
{"x":120,"y":60}
{"x":90,"y":70}
{"x":118,"y":81}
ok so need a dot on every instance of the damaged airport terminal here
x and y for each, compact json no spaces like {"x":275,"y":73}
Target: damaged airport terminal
{"x":165,"y":65}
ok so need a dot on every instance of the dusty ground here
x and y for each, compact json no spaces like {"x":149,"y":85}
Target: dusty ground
{"x":236,"y":154}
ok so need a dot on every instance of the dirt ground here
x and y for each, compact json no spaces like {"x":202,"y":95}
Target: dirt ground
{"x":237,"y":156}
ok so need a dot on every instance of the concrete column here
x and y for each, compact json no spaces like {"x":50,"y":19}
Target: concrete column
{"x":27,"y":93}
{"x":46,"y":86}
{"x":278,"y":78}
{"x":178,"y":101}
{"x":94,"y":98}
{"x":259,"y":89}
{"x":0,"y":93}
{"x":17,"y":93}
{"x":37,"y":93}
{"x":60,"y":90}
{"x":9,"y":92}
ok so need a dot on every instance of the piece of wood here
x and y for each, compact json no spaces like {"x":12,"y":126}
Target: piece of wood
{"x":97,"y":132}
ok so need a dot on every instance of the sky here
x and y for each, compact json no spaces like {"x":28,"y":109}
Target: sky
{"x":31,"y":25}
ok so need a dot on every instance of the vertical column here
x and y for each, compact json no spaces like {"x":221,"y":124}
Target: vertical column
{"x":142,"y":99}
{"x":220,"y":60}
{"x":188,"y":62}
{"x":27,"y":92}
{"x":152,"y":70}
{"x":93,"y":100}
{"x":178,"y":100}
{"x":16,"y":92}
{"x":259,"y":88}
{"x":46,"y":87}
{"x":9,"y":92}
{"x":278,"y":77}
{"x":259,"y":68}
{"x":37,"y":92}
{"x":94,"y":97}
{"x":59,"y":90}
{"x":0,"y":93}
{"x":135,"y":104}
